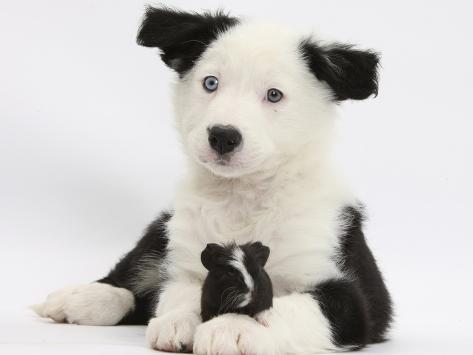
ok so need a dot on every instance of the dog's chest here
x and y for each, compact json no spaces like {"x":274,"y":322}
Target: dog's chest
{"x":299,"y":230}
{"x":236,"y":218}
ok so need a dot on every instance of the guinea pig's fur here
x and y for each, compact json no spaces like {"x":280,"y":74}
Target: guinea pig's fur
{"x":236,"y":281}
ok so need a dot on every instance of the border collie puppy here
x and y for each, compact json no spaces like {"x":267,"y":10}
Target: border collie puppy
{"x":255,"y":109}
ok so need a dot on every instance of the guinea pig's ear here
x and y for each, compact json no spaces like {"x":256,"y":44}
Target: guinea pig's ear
{"x":181,"y":36}
{"x":350,"y":73}
{"x":210,"y":254}
{"x":261,"y":252}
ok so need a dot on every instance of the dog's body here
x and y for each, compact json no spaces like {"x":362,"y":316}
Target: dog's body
{"x":255,"y":110}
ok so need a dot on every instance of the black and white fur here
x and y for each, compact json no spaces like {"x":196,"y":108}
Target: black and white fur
{"x":270,"y":180}
{"x":237,"y":281}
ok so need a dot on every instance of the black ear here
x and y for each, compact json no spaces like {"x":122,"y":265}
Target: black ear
{"x":349,"y":72}
{"x":181,"y":36}
{"x":210,"y":255}
{"x":260,"y":252}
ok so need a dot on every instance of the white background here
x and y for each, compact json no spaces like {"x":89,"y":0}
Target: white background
{"x":88,"y":157}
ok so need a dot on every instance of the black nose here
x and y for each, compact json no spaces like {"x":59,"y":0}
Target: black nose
{"x":224,"y":139}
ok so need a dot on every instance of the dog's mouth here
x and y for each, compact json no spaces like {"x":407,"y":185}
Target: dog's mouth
{"x":231,"y":164}
{"x":227,"y":165}
{"x":216,"y":159}
{"x":223,"y":160}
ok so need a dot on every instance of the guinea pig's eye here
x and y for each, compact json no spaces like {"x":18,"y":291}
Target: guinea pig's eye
{"x":210,"y":83}
{"x":274,"y":95}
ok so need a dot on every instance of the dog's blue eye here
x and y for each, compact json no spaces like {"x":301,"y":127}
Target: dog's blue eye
{"x":274,"y":95}
{"x":210,"y":83}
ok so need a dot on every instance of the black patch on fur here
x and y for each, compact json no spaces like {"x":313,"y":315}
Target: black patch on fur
{"x":350,"y":73}
{"x":343,"y":304}
{"x":359,"y":309}
{"x":224,"y":283}
{"x":358,"y":261}
{"x":151,"y":246}
{"x":181,"y":36}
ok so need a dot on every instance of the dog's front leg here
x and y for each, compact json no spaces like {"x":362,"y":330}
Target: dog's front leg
{"x":177,"y":316}
{"x":298,"y":324}
{"x":234,"y":334}
{"x":294,"y":325}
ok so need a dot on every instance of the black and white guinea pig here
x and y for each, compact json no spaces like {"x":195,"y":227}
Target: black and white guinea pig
{"x":236,"y":281}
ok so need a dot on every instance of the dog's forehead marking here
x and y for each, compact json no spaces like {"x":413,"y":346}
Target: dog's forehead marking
{"x":255,"y":47}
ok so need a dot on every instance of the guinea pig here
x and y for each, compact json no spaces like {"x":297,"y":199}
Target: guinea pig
{"x":236,"y":281}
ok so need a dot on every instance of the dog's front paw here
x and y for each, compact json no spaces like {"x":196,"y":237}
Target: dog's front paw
{"x":233,"y":334}
{"x":90,"y":304}
{"x":173,"y":331}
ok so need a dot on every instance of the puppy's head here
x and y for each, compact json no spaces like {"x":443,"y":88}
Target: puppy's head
{"x":251,"y":96}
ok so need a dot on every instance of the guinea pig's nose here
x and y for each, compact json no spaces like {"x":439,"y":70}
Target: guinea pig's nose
{"x":224,"y":139}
